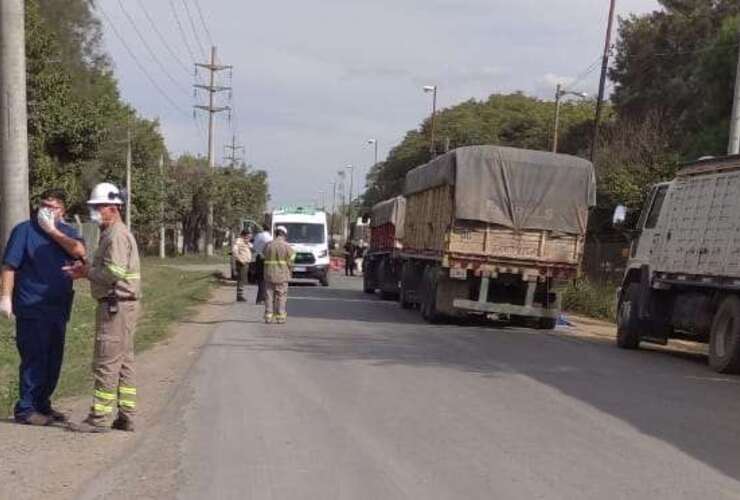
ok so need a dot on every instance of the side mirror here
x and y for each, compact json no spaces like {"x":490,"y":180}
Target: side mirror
{"x":620,"y":216}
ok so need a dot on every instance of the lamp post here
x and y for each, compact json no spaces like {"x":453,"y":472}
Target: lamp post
{"x":559,"y":94}
{"x":374,"y":142}
{"x":349,"y":202}
{"x":433,"y":90}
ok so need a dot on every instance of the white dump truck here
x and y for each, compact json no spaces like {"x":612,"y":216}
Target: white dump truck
{"x":683,"y":276}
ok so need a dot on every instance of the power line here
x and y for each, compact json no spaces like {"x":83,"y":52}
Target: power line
{"x":163,"y":39}
{"x":182,"y":32}
{"x":177,"y":84}
{"x":192,"y":26}
{"x":138,"y":62}
{"x":203,"y":21}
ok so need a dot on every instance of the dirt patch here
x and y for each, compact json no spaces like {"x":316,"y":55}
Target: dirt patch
{"x":55,"y":464}
{"x":606,"y":332}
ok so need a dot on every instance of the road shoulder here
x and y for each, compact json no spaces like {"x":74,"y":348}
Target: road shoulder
{"x":55,"y":464}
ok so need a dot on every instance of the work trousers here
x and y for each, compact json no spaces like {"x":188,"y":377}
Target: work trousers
{"x":40,"y":343}
{"x":260,"y":276}
{"x":113,"y":362}
{"x":349,"y":266}
{"x":276,"y":301}
{"x":242,"y":276}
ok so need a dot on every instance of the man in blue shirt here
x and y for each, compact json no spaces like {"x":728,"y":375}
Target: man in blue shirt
{"x":39,"y":294}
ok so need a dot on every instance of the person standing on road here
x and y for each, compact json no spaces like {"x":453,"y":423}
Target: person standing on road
{"x":115,"y":282}
{"x":258,"y":246}
{"x":40,"y":294}
{"x":278,"y":269}
{"x":242,"y":252}
{"x":349,"y":259}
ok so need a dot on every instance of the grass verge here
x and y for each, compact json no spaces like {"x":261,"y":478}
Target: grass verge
{"x":169,"y":295}
{"x":591,"y":299}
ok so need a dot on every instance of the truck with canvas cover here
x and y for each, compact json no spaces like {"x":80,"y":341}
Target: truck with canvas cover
{"x":491,"y":230}
{"x":382,"y":263}
{"x":683,"y":277}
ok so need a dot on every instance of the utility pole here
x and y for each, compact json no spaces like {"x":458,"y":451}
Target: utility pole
{"x":212,"y":89}
{"x":433,"y":90}
{"x":602,"y":82}
{"x":333,"y":205}
{"x":162,"y":231}
{"x":349,"y":205}
{"x":14,"y":202}
{"x":558,"y":95}
{"x":734,"y":146}
{"x":233,"y":148}
{"x":128,"y":178}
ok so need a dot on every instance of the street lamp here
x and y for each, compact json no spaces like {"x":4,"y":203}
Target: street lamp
{"x":349,"y":204}
{"x":433,"y":90}
{"x":559,"y":94}
{"x":374,"y":142}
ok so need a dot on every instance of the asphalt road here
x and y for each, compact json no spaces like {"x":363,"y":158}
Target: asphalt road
{"x":357,"y":399}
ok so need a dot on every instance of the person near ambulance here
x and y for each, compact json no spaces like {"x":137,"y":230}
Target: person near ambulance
{"x":278,"y":269}
{"x":242,"y":252}
{"x":261,"y":240}
{"x":115,"y":283}
{"x":40,"y":294}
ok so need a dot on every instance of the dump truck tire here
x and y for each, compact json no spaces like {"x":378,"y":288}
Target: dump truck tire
{"x":724,"y":340}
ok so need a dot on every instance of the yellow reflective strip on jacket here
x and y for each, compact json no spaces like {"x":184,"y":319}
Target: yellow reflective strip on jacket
{"x":108,"y":396}
{"x":277,"y":262}
{"x":126,"y":403}
{"x":131,"y":391}
{"x":132,"y":276}
{"x":117,"y":271}
{"x":102,"y":409}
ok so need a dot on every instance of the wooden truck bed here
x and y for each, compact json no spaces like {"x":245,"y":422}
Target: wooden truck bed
{"x":487,"y":249}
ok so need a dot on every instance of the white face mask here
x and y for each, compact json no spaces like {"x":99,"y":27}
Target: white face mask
{"x":46,"y":215}
{"x":95,"y":216}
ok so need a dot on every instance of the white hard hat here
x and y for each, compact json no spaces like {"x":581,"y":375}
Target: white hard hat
{"x":281,"y":229}
{"x":105,"y":193}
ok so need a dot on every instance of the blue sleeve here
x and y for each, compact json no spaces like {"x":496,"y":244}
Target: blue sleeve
{"x":16,"y":247}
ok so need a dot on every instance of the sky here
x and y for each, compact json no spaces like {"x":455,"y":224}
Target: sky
{"x":313,"y":81}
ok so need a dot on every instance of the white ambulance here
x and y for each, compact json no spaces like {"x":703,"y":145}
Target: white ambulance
{"x":308,"y":235}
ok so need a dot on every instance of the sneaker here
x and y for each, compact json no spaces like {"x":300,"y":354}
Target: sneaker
{"x":241,"y":299}
{"x":268,"y":321}
{"x":123,"y":424}
{"x":87,"y":427}
{"x":35,"y":418}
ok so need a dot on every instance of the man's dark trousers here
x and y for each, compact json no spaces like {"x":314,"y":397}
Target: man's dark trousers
{"x":40,"y":342}
{"x":260,"y":275}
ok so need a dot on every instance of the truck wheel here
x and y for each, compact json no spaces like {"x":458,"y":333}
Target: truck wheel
{"x":628,"y":324}
{"x":724,"y":340}
{"x":403,"y":295}
{"x":429,"y":296}
{"x":324,"y":280}
{"x":547,"y":323}
{"x":367,"y":287}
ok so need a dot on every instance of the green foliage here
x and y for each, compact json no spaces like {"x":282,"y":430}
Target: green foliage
{"x":678,"y":66}
{"x":78,"y":128}
{"x":590,"y":299}
{"x":509,"y":120}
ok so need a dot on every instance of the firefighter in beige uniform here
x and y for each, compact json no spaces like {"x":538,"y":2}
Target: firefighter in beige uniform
{"x":278,"y":269}
{"x":115,"y":283}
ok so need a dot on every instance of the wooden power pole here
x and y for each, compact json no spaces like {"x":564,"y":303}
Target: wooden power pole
{"x":602,"y":82}
{"x":212,"y":109}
